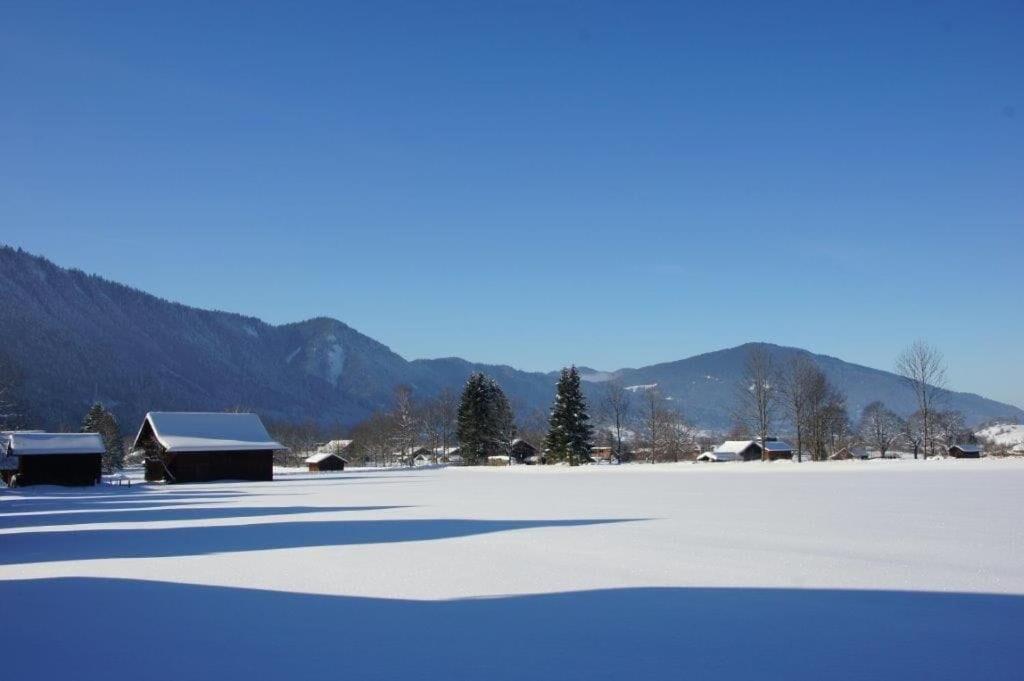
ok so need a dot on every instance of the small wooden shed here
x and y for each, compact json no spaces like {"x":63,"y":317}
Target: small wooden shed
{"x":34,"y":458}
{"x":326,"y":461}
{"x":204,"y":446}
{"x":522,"y":450}
{"x":965,"y":451}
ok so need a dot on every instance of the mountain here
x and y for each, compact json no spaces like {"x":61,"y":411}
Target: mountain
{"x":704,"y":387}
{"x":68,"y":338}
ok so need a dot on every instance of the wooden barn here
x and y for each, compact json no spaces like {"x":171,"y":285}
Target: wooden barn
{"x":200,"y":446}
{"x":326,"y":461}
{"x":522,"y":450}
{"x":965,"y":451}
{"x":34,"y":458}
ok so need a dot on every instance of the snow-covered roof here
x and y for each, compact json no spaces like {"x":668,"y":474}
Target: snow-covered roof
{"x":739,"y":446}
{"x":180,"y":431}
{"x":323,"y":456}
{"x":333,"y":446}
{"x":41,"y":444}
{"x":967,"y":448}
{"x":733,"y":446}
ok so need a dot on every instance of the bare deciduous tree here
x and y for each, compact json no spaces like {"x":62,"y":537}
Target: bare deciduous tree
{"x":923,"y":369}
{"x":757,"y":395}
{"x":373,"y":439}
{"x":795,"y":387}
{"x":951,"y":429}
{"x":880,"y":428}
{"x":615,"y":407}
{"x":407,"y":423}
{"x":666,"y":436}
{"x":440,"y":415}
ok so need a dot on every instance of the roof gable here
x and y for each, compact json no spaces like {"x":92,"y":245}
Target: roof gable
{"x":209,"y":432}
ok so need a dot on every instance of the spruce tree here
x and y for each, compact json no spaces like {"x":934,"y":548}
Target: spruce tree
{"x":101,"y":421}
{"x":485,"y":422}
{"x":570,"y":435}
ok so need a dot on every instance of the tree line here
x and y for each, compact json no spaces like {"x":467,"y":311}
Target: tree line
{"x":639,"y":423}
{"x":800,"y":397}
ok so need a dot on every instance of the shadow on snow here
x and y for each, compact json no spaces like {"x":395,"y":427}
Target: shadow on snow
{"x":175,"y":631}
{"x":149,"y":512}
{"x":46,"y":546}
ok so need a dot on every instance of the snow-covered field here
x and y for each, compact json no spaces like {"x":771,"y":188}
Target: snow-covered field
{"x":842,"y":570}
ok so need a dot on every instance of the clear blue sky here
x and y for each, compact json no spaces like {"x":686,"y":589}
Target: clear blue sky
{"x":536,"y":183}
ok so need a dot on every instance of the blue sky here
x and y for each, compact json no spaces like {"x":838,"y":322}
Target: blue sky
{"x":537,"y":183}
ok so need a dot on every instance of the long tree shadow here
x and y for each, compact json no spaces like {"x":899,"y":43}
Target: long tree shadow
{"x":33,"y":547}
{"x":207,"y":632}
{"x":133,"y":498}
{"x":179,"y":512}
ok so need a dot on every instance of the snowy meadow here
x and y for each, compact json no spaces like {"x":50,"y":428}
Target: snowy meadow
{"x":840,"y":570}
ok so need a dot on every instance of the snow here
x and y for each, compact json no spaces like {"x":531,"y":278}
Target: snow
{"x":35,"y":443}
{"x":334,"y":446}
{"x":838,"y":570}
{"x":1003,"y":434}
{"x":323,"y":456}
{"x":181,"y":431}
{"x":735,"y":447}
{"x":638,"y":388}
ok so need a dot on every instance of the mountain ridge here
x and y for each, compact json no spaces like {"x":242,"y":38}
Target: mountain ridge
{"x":76,"y":337}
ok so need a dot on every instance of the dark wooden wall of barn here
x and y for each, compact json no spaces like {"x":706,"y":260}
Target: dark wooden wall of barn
{"x":205,"y":466}
{"x":59,"y":469}
{"x":328,"y":464}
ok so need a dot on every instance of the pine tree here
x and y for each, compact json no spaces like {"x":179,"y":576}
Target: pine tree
{"x":486,"y":425}
{"x":570,"y":435}
{"x":101,"y":421}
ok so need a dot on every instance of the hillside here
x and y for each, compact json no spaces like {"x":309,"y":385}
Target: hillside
{"x":71,"y":338}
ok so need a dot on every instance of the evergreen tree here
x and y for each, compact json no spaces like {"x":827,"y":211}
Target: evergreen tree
{"x":101,"y":421}
{"x":570,"y":435}
{"x":486,"y":425}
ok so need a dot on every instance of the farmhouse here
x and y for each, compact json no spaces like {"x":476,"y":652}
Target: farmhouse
{"x":326,"y":461}
{"x":198,"y":446}
{"x":333,"y":446}
{"x":748,"y":450}
{"x":965,"y":451}
{"x":34,"y":458}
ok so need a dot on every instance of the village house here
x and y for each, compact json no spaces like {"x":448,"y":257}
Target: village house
{"x":36,"y":458}
{"x":603,"y":454}
{"x":326,"y":461}
{"x":333,"y":446}
{"x":748,"y":450}
{"x":202,"y":446}
{"x":965,"y":451}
